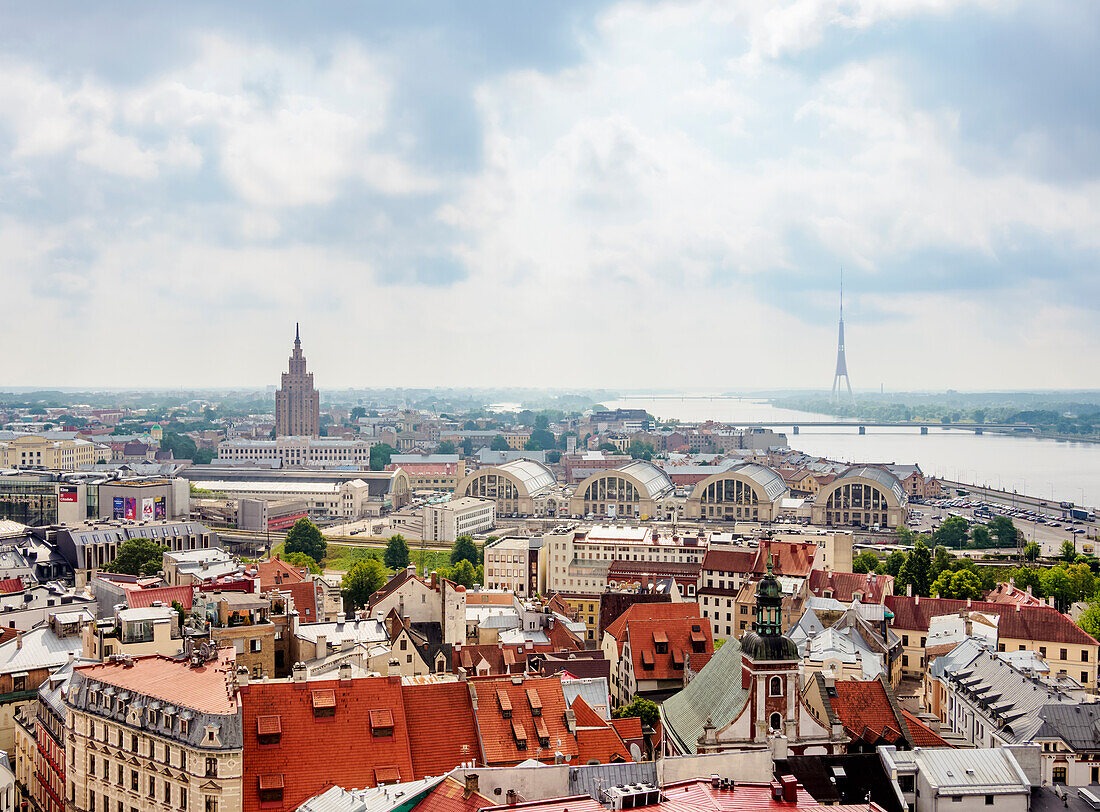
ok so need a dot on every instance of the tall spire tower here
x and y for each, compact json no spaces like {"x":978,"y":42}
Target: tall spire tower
{"x":841,"y":363}
{"x":297,"y":403}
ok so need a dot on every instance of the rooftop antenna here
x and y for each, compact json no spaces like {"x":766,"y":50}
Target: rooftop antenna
{"x":841,"y":363}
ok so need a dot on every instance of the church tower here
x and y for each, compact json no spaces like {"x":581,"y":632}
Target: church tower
{"x":770,"y":667}
{"x":297,"y":403}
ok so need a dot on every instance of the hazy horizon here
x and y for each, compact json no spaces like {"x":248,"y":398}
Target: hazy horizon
{"x":625,"y":195}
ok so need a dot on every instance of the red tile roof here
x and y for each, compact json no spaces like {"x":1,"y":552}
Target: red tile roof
{"x":207,"y":689}
{"x":306,"y":595}
{"x":864,"y":709}
{"x":499,"y":734}
{"x":649,"y":611}
{"x":739,"y":559}
{"x":644,"y":634}
{"x":313,"y":752}
{"x":790,"y":558}
{"x":697,"y":795}
{"x":442,"y":728}
{"x":596,"y":739}
{"x":450,"y":795}
{"x":921,"y":734}
{"x":628,"y":728}
{"x":585,"y":715}
{"x":844,"y":585}
{"x":7,"y":634}
{"x":277,"y":572}
{"x":10,"y":585}
{"x":142,"y":598}
{"x":1017,"y":623}
{"x":1011,"y":594}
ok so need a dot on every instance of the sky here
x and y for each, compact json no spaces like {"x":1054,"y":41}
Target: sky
{"x":505,"y":193}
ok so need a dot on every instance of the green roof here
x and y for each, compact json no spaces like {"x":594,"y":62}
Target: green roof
{"x":715,"y":692}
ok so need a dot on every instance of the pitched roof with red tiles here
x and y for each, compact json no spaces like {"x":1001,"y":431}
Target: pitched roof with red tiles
{"x":793,"y":559}
{"x":596,"y":739}
{"x":277,"y":572}
{"x":872,"y":587}
{"x":207,"y":689}
{"x":864,"y":709}
{"x":142,"y":598}
{"x":739,"y":559}
{"x":1012,"y":595}
{"x":629,"y":728}
{"x":451,"y":795}
{"x":511,"y":732}
{"x":1043,"y":623}
{"x":442,"y":728}
{"x":7,"y":634}
{"x":650,"y":611}
{"x":306,"y":595}
{"x":921,"y":734}
{"x":11,"y":585}
{"x":314,"y":749}
{"x":585,"y":715}
{"x":680,"y":637}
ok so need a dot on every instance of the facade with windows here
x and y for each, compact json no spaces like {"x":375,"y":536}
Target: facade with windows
{"x":513,"y":486}
{"x":296,"y":451}
{"x":634,"y":490}
{"x":512,"y":564}
{"x":153,"y":733}
{"x":862,"y":497}
{"x":746,"y":493}
{"x":465,"y":516}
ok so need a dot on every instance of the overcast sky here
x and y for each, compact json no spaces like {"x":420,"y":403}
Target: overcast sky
{"x":593,"y":194}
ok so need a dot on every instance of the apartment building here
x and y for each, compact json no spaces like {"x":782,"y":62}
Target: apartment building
{"x":1043,"y":630}
{"x":512,"y":564}
{"x":153,"y":733}
{"x":465,"y":516}
{"x":47,"y":451}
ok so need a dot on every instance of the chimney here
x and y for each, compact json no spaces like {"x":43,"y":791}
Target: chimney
{"x":345,"y":671}
{"x":790,"y":788}
{"x":18,"y":640}
{"x":242,"y":677}
{"x":322,"y":646}
{"x":471,"y":780}
{"x":340,"y":618}
{"x":410,"y":570}
{"x":393,"y":669}
{"x":512,"y":797}
{"x":908,"y":590}
{"x":435,"y":585}
{"x":916,"y":600}
{"x":968,"y":602}
{"x":298,"y":673}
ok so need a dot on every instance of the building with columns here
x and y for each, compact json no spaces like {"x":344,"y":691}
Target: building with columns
{"x":297,"y":403}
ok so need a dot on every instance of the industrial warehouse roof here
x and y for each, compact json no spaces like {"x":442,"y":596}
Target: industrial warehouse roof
{"x":534,"y":476}
{"x":879,"y":475}
{"x":772,"y":483}
{"x":654,"y":481}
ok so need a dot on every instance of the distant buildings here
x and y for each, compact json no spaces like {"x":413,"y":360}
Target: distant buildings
{"x":297,"y":403}
{"x":446,"y":521}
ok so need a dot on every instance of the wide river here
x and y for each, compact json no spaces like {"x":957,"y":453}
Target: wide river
{"x":1052,"y":469}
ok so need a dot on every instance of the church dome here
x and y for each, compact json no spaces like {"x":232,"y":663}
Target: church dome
{"x":760,"y":647}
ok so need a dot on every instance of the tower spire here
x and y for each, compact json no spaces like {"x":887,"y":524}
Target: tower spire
{"x":841,"y":361}
{"x":298,"y":338}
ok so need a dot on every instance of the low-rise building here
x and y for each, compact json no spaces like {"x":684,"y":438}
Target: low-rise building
{"x":46,"y":451}
{"x":938,"y":779}
{"x":464,"y":516}
{"x":242,"y":622}
{"x":298,"y":451}
{"x":512,"y":563}
{"x":135,"y":632}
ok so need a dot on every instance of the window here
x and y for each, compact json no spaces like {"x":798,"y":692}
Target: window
{"x":1062,"y":654}
{"x":775,"y":686}
{"x":989,"y":800}
{"x":211,"y":804}
{"x":133,"y":780}
{"x":183,"y":797}
{"x":152,"y":786}
{"x":775,"y":721}
{"x":167,"y":793}
{"x":254,"y":645}
{"x":211,"y":767}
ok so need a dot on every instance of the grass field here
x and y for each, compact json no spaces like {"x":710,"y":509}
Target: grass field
{"x":340,"y":558}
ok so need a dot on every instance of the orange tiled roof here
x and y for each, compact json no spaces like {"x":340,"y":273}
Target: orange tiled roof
{"x":920,"y":733}
{"x":11,"y":585}
{"x":648,"y":663}
{"x":277,"y":572}
{"x":596,"y":739}
{"x":451,"y":796}
{"x":207,"y":689}
{"x":442,"y":727}
{"x":650,"y":611}
{"x":500,"y":734}
{"x":844,"y":585}
{"x":585,"y":715}
{"x":628,"y":728}
{"x":141,"y":598}
{"x":864,"y":709}
{"x":1043,"y":623}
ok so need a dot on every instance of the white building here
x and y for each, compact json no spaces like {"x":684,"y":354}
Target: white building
{"x":298,"y":452}
{"x":943,"y":779}
{"x":579,"y":559}
{"x":512,"y":565}
{"x":465,"y":516}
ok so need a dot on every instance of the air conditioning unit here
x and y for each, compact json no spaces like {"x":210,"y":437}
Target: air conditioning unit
{"x":632,"y":796}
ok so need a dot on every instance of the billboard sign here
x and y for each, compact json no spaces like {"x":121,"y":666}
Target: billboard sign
{"x":147,"y":509}
{"x":119,"y":507}
{"x":160,"y":507}
{"x":66,"y":493}
{"x":131,"y":507}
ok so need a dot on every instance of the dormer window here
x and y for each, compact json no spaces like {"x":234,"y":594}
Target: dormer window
{"x":381,"y":723}
{"x":269,"y":730}
{"x":324,"y":704}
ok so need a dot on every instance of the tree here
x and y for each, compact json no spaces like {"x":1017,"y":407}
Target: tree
{"x":445,"y":447}
{"x":952,"y":533}
{"x":361,"y":581}
{"x":941,"y":561}
{"x":917,"y":569}
{"x":643,"y":708}
{"x":305,"y":537}
{"x":979,"y":537}
{"x":608,"y":447}
{"x":380,"y":456}
{"x":865,"y":562}
{"x":358,"y":412}
{"x":540,"y":440}
{"x":138,"y":556}
{"x":1025,"y":577}
{"x":464,"y":549}
{"x":553,"y":457}
{"x":1082,"y":583}
{"x":640,"y":450}
{"x":302,"y":560}
{"x":397,"y":552}
{"x":468,"y":447}
{"x":1004,"y":531}
{"x":893,"y":562}
{"x":1090,"y":620}
{"x":499,"y":444}
{"x":1032,"y":550}
{"x":1056,"y":584}
{"x":961,"y":585}
{"x":464,"y":573}
{"x":1068,"y":552}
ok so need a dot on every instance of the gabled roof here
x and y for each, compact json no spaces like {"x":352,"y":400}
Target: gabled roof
{"x":921,"y":734}
{"x":629,"y":727}
{"x":866,"y":710}
{"x":1076,"y":725}
{"x":450,"y":795}
{"x":650,"y":611}
{"x":676,"y":635}
{"x":596,"y":739}
{"x":500,"y":728}
{"x":715,"y":693}
{"x":142,"y":598}
{"x":442,"y":728}
{"x":277,"y":572}
{"x":872,"y":587}
{"x":1042,"y":623}
{"x":10,"y":585}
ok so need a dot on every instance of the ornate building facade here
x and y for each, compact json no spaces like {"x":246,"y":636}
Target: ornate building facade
{"x":297,"y":404}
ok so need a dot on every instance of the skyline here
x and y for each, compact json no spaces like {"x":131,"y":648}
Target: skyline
{"x":492,"y":198}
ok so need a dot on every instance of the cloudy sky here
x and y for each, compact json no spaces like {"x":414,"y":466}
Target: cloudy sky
{"x":594,"y":194}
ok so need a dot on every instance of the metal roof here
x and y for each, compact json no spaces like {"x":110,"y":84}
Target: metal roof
{"x":593,"y":690}
{"x":534,"y":476}
{"x":41,"y":648}
{"x":882,"y":477}
{"x":711,"y":694}
{"x":1076,"y":725}
{"x":772,"y":483}
{"x":654,"y":481}
{"x":983,"y":771}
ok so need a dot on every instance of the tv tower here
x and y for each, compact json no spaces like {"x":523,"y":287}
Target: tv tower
{"x":841,"y":363}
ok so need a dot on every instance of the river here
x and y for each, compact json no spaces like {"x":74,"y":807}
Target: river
{"x":1052,"y":469}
